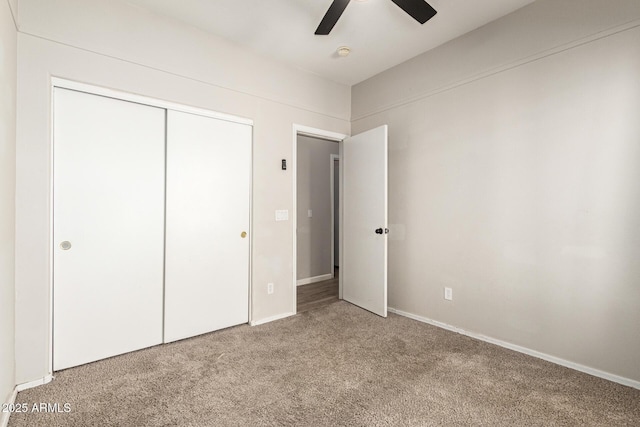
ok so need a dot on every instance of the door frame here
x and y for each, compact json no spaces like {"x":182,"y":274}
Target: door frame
{"x":322,"y":134}
{"x":332,"y":173}
{"x":140,"y":99}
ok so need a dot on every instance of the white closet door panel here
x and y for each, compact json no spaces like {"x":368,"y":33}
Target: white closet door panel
{"x":208,"y":191}
{"x":109,"y":205}
{"x":364,"y":252}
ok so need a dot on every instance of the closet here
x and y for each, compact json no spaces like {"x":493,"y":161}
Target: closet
{"x":151,"y":214}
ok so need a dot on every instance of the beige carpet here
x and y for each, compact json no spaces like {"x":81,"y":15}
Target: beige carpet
{"x":335,"y":366}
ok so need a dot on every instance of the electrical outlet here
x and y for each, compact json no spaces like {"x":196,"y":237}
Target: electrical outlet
{"x":309,"y":213}
{"x":269,"y":288}
{"x":448,"y":294}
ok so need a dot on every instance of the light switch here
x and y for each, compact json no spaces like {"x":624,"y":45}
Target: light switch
{"x":282,"y":215}
{"x":309,"y":213}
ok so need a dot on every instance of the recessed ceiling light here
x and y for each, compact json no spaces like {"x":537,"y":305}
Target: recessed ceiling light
{"x":344,"y":50}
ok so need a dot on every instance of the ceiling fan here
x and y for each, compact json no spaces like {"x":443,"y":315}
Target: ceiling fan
{"x":420,"y":10}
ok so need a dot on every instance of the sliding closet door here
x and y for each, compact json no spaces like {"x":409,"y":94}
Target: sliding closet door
{"x":108,"y":227}
{"x":207,"y":241}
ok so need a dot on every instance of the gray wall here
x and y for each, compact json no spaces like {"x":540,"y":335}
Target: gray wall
{"x":7,"y":198}
{"x":513,"y":172}
{"x":314,"y":192}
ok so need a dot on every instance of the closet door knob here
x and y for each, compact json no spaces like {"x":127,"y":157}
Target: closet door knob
{"x":66,"y":245}
{"x":243,"y":234}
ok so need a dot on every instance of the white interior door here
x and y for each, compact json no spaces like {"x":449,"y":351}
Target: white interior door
{"x":207,"y":241}
{"x":364,"y":227}
{"x":108,"y":227}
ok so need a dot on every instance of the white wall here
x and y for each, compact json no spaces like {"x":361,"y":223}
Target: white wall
{"x":8,"y":59}
{"x":114,"y":45}
{"x":314,"y":192}
{"x":514,"y":180}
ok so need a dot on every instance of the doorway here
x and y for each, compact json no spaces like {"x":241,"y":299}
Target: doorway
{"x":316,"y":170}
{"x":362,"y":217}
{"x":324,"y":292}
{"x":316,"y":281}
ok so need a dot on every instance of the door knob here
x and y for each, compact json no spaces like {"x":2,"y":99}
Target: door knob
{"x":66,"y":245}
{"x":378,"y":230}
{"x":243,"y":234}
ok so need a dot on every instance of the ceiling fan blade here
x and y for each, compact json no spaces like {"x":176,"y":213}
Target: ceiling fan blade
{"x":331,"y":17}
{"x":420,"y":10}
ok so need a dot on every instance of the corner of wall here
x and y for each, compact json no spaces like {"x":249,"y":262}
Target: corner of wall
{"x":13,"y":8}
{"x":8,"y":69}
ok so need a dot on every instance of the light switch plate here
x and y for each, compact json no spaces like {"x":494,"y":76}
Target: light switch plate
{"x":282,"y":215}
{"x":309,"y":213}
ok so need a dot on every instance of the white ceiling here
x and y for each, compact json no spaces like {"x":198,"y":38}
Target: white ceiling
{"x":379,"y":33}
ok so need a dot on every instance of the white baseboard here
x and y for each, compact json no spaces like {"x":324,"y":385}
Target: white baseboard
{"x":314,"y":279}
{"x":34,"y":383}
{"x":270,"y":319}
{"x":4,"y":416}
{"x":558,"y":361}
